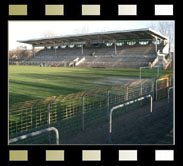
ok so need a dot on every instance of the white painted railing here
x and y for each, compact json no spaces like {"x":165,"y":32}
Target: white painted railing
{"x":155,"y":61}
{"x":169,"y":61}
{"x":80,"y":61}
{"x":13,"y":140}
{"x":75,"y":60}
{"x":122,"y":105}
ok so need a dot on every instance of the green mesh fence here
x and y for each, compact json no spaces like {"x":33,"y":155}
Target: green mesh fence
{"x":73,"y":113}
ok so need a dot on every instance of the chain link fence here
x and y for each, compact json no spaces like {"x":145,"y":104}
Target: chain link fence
{"x":78,"y":112}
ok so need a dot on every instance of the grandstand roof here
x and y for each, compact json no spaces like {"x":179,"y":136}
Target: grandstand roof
{"x":144,"y":33}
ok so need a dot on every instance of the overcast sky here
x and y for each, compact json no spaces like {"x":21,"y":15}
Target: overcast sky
{"x":22,"y":30}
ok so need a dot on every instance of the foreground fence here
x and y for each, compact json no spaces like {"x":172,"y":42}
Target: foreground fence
{"x":26,"y":136}
{"x":123,"y":105}
{"x":77,"y":112}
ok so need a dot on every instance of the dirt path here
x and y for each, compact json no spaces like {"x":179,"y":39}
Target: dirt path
{"x":132,"y":127}
{"x":115,"y":80}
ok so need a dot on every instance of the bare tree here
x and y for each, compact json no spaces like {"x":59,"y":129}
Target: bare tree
{"x":49,"y":34}
{"x":21,"y":52}
{"x":84,"y":29}
{"x":164,"y":27}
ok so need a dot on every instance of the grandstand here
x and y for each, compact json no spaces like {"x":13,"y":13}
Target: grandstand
{"x":121,"y":49}
{"x":74,"y":105}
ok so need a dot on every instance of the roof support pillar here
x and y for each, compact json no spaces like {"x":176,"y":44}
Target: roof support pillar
{"x":55,"y":51}
{"x":115,"y":50}
{"x":156,"y":44}
{"x":82,"y":49}
{"x":33,"y":50}
{"x":45,"y":51}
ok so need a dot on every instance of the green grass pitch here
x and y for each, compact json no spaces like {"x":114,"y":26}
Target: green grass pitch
{"x":34,"y":82}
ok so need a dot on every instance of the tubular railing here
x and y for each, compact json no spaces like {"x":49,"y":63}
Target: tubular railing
{"x":155,"y":61}
{"x":13,"y":140}
{"x":120,"y":106}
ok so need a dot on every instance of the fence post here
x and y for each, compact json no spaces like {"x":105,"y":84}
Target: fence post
{"x":49,"y":120}
{"x":31,"y":118}
{"x":126,"y":107}
{"x":151,"y":104}
{"x":141,"y":88}
{"x":141,"y":92}
{"x":127,"y":93}
{"x":83,"y":108}
{"x":140,"y":81}
{"x":156,"y":89}
{"x":153,"y":89}
{"x":107,"y":104}
{"x":49,"y":113}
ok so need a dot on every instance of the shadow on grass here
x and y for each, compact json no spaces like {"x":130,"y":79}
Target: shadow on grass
{"x":42,"y":91}
{"x":16,"y":97}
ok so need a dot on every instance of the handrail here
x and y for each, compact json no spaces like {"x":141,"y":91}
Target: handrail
{"x":35,"y":134}
{"x":155,"y":61}
{"x":169,"y":62}
{"x":120,"y":106}
{"x":80,"y":61}
{"x":75,"y":60}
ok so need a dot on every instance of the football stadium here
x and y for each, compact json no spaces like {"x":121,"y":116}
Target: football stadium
{"x":112,"y":87}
